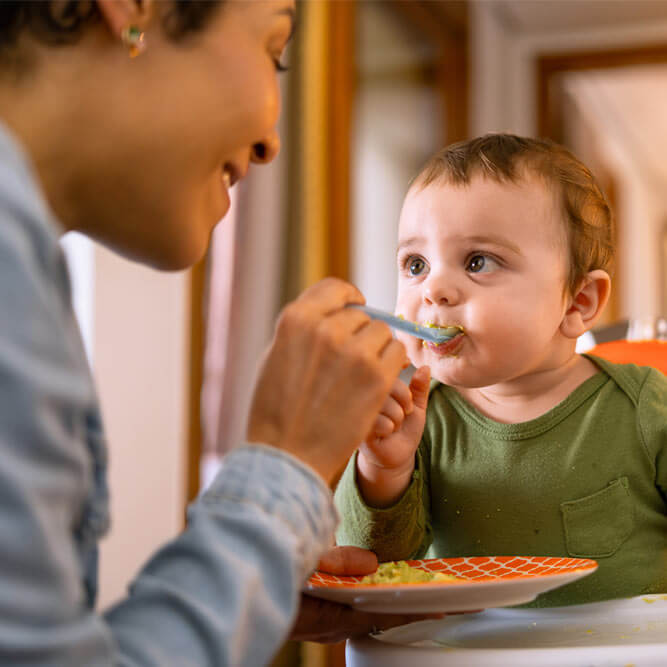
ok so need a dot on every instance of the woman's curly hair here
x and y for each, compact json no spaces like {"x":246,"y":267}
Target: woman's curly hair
{"x":64,"y":21}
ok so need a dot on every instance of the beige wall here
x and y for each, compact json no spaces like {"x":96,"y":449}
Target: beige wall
{"x":140,"y":359}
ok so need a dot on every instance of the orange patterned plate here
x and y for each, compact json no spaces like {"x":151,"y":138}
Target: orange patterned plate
{"x":484,"y":582}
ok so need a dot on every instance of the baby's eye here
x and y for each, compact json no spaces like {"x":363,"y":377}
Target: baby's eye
{"x":416,"y":265}
{"x":481,"y":264}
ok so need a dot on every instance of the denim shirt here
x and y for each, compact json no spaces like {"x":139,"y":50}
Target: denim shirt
{"x":225,"y":592}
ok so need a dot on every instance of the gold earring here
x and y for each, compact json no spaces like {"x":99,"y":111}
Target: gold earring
{"x":134,"y":39}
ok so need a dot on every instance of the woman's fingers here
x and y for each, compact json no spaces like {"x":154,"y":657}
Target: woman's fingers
{"x":328,"y":622}
{"x":329,"y":295}
{"x":325,"y":378}
{"x":348,"y":560}
{"x":339,"y":326}
{"x":394,"y":354}
{"x":372,"y":338}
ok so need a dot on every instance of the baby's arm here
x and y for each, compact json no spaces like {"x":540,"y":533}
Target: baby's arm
{"x":395,"y":533}
{"x":386,"y":460}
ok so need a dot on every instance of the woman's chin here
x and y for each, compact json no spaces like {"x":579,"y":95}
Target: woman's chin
{"x":181,"y":258}
{"x":166,"y":258}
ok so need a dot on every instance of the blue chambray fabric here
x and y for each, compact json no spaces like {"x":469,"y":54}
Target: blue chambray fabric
{"x":224,"y":592}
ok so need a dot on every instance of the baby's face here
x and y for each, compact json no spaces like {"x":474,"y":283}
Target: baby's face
{"x":491,"y":258}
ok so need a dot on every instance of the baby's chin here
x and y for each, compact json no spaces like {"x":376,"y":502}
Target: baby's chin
{"x":453,"y":371}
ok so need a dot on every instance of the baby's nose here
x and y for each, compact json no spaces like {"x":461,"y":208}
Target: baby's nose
{"x":441,"y":292}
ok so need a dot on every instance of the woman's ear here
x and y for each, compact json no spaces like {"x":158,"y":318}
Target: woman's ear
{"x":118,"y":14}
{"x":587,"y":304}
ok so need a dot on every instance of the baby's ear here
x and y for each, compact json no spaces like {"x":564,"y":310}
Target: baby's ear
{"x":587,"y":304}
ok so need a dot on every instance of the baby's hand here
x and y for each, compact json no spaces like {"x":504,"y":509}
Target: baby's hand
{"x":386,"y":460}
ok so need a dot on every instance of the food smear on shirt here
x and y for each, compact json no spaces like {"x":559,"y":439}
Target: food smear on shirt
{"x":399,"y":572}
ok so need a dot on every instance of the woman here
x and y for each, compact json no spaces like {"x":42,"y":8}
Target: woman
{"x":139,"y":154}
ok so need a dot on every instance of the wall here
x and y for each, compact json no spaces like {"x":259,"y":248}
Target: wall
{"x":140,"y":350}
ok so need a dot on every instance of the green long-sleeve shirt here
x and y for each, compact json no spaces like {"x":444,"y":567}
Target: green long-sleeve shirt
{"x":586,"y":479}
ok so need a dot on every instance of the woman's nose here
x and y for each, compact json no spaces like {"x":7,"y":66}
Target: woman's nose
{"x":266,"y":150}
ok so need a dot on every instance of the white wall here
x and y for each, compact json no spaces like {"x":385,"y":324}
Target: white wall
{"x":80,"y":254}
{"x":141,"y":348}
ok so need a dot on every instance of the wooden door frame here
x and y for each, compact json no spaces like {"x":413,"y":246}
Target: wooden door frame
{"x":550,"y":65}
{"x":196,"y":291}
{"x":447,"y":26}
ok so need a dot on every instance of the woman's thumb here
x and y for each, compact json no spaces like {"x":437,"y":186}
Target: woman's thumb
{"x":419,"y":384}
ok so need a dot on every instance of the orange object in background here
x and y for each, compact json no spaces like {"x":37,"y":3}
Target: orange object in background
{"x":641,"y":352}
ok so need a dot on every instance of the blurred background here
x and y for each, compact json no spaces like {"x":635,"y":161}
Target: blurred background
{"x":373,"y":88}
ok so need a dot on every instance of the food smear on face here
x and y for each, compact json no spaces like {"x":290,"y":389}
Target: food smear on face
{"x":433,"y":325}
{"x":399,"y":572}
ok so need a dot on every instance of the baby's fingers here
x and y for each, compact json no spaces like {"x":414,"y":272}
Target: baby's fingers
{"x":393,"y":411}
{"x":382,"y":428}
{"x":401,"y":394}
{"x":419,"y":385}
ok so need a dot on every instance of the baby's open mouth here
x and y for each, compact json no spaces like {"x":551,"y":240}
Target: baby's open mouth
{"x":448,"y":347}
{"x":455,"y":329}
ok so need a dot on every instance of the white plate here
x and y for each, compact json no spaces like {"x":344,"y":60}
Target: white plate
{"x":484,"y":582}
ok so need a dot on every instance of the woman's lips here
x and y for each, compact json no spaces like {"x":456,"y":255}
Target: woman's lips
{"x":231,"y":174}
{"x":448,"y":348}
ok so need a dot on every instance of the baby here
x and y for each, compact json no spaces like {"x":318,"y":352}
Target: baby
{"x":518,"y":446}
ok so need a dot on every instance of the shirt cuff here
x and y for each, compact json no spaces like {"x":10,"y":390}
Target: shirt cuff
{"x":282,"y":486}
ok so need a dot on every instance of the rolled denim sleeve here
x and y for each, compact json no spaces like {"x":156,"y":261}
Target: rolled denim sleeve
{"x":226,"y":591}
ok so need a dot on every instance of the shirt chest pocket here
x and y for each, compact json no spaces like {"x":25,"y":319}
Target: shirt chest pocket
{"x":597,"y":525}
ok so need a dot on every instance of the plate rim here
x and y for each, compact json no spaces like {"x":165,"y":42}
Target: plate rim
{"x":588,"y":565}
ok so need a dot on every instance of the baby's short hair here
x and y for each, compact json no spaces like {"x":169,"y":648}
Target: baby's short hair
{"x":507,"y":157}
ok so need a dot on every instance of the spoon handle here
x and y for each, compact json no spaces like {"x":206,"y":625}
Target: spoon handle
{"x":432,"y":334}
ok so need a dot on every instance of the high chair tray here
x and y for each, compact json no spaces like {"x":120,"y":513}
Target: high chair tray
{"x":616,"y":633}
